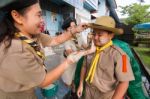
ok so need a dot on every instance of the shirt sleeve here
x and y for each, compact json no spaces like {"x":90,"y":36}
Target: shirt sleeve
{"x":67,"y":45}
{"x":121,"y":75}
{"x":22,"y":68}
{"x":45,"y":39}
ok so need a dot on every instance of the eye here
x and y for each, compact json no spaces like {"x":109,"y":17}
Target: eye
{"x":39,"y":15}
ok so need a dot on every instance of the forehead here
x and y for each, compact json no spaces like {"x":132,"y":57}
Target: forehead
{"x":35,"y":8}
{"x":72,"y":23}
{"x":100,"y":31}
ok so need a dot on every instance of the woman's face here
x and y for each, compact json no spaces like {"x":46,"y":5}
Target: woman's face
{"x":32,"y":20}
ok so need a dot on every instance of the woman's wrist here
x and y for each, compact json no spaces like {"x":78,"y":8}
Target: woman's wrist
{"x":81,"y":84}
{"x":66,"y":63}
{"x":72,"y":32}
{"x":86,"y":52}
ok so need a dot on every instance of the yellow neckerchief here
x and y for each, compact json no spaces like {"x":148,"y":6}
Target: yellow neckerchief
{"x":95,"y":61}
{"x":32,"y":43}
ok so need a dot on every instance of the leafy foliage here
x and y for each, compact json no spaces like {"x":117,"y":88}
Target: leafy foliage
{"x":137,"y":13}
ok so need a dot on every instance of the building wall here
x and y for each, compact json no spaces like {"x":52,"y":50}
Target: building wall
{"x":83,"y":16}
{"x":102,"y":8}
{"x":54,"y":15}
{"x":53,"y":22}
{"x":91,"y":4}
{"x":75,"y":3}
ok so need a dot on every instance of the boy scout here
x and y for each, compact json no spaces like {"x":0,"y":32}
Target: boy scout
{"x":108,"y":70}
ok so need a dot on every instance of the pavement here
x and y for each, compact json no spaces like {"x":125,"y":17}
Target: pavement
{"x":54,"y":57}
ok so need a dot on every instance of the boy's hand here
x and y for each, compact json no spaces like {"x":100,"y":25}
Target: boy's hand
{"x":79,"y":91}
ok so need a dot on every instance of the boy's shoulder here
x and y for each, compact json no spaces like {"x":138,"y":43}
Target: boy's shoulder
{"x":117,"y":49}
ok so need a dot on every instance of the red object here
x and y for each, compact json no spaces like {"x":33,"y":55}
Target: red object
{"x":124,"y":63}
{"x":42,"y":27}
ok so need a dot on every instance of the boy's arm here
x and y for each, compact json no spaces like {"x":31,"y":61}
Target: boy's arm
{"x":123,"y":73}
{"x":120,"y":90}
{"x":82,"y":76}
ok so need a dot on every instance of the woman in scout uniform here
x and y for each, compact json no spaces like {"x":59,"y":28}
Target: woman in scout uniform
{"x":21,"y":55}
{"x":108,"y":69}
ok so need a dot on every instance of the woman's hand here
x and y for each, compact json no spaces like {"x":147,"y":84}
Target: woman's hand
{"x":74,"y":57}
{"x":79,"y":28}
{"x":91,"y":50}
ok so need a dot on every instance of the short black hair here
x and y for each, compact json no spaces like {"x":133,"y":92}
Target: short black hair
{"x":67,"y":22}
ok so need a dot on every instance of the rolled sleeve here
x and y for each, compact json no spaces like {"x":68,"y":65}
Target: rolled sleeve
{"x":24,"y":69}
{"x":45,"y":39}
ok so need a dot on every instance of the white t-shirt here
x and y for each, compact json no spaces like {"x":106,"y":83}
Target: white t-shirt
{"x":69,"y":73}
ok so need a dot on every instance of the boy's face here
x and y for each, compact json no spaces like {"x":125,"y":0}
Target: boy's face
{"x":101,"y":37}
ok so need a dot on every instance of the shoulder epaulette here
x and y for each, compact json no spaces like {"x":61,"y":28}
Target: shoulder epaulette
{"x":124,"y":58}
{"x":118,"y":49}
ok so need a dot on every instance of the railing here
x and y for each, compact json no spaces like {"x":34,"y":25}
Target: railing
{"x":144,"y":72}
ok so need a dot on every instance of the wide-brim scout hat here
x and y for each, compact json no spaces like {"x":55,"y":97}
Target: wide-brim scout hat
{"x":106,"y":23}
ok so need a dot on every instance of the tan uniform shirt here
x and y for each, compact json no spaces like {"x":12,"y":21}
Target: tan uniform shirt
{"x":20,"y":67}
{"x":109,"y":70}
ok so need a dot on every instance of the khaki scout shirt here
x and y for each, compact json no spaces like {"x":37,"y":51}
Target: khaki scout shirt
{"x":20,"y":67}
{"x":109,"y":69}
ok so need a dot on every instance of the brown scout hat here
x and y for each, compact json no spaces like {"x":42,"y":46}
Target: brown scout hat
{"x":106,"y":23}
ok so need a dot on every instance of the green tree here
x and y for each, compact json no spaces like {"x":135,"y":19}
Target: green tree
{"x":137,"y":13}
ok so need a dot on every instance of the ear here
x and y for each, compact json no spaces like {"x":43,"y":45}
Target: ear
{"x":16,"y":16}
{"x":112,"y":35}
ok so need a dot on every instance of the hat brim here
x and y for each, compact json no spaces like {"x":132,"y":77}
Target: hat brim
{"x":114,"y":30}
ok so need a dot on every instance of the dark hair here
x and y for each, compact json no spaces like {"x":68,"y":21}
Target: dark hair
{"x":7,"y":28}
{"x":67,"y":22}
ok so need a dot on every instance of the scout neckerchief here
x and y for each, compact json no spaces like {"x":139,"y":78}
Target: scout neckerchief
{"x":33,"y":44}
{"x":91,"y":73}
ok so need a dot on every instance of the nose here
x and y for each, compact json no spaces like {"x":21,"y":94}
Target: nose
{"x":42,"y":20}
